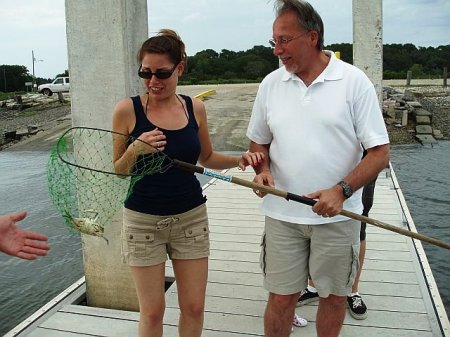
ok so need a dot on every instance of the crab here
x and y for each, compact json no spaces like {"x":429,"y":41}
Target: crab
{"x":87,"y":225}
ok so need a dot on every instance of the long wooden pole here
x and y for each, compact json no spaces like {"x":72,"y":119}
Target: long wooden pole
{"x":308,"y":201}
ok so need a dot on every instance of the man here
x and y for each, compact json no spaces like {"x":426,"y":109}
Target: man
{"x":310,"y":118}
{"x":17,"y":242}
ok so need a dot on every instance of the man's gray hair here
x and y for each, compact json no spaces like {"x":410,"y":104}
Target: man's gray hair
{"x":308,"y":18}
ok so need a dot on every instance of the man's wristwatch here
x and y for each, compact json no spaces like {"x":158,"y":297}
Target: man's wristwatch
{"x":346,"y":189}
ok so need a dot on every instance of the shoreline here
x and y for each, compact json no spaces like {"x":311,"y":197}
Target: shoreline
{"x":229,"y":111}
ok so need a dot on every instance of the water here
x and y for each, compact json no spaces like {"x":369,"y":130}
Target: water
{"x":423,"y":173}
{"x":27,"y":285}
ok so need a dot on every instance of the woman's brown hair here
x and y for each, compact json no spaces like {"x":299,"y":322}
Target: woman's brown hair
{"x":166,"y":41}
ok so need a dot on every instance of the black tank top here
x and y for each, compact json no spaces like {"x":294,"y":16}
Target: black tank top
{"x":175,"y":190}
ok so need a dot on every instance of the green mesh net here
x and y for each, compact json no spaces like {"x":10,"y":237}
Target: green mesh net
{"x":82,"y":181}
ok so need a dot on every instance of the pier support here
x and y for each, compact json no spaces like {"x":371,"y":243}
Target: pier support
{"x":103,"y":38}
{"x":368,"y":41}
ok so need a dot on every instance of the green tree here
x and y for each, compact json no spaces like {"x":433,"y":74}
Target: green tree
{"x":417,"y":71}
{"x":64,"y":74}
{"x":346,"y":50}
{"x":209,"y":66}
{"x":228,"y":55}
{"x":13,"y":78}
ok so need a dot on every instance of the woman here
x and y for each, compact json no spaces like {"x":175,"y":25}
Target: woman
{"x":166,"y":212}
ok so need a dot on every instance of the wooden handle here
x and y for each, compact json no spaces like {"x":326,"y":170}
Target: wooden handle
{"x":310,"y":202}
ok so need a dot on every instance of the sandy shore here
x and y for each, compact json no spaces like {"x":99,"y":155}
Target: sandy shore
{"x":229,"y":111}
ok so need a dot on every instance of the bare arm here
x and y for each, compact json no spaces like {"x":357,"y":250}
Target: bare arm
{"x":374,"y":162}
{"x":123,"y":157}
{"x":124,"y":154}
{"x":330,"y":201}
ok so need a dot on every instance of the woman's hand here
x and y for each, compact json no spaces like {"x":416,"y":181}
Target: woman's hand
{"x":155,"y":138}
{"x":250,"y":158}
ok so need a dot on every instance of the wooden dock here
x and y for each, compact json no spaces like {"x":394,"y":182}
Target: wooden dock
{"x":396,"y":284}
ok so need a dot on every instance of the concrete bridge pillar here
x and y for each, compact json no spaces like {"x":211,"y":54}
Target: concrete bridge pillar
{"x":368,"y":41}
{"x":103,"y":37}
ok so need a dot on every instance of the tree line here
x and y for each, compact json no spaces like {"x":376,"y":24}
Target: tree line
{"x":252,"y":65}
{"x":14,"y":77}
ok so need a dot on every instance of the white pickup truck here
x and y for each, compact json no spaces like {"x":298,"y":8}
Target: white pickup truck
{"x":60,"y":84}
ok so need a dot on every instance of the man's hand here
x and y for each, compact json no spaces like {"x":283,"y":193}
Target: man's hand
{"x":17,"y":242}
{"x":263,"y":178}
{"x":329,"y":202}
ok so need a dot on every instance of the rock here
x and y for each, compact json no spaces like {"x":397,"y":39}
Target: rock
{"x":425,"y":139}
{"x":405,"y":118}
{"x":424,"y":113}
{"x":9,"y":136}
{"x":437,"y":134}
{"x":33,"y":129}
{"x":423,"y":120}
{"x":390,"y":112}
{"x":424,"y":129}
{"x":23,"y":131}
{"x":414,"y":104}
{"x":30,"y":121}
{"x":408,"y":95}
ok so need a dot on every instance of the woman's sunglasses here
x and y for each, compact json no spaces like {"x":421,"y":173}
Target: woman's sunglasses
{"x":161,"y":74}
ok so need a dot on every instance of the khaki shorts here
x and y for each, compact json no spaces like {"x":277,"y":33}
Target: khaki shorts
{"x":291,"y":252}
{"x":147,"y":239}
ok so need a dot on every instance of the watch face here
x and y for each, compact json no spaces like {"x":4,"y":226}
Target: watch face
{"x":347,"y":192}
{"x":346,"y":189}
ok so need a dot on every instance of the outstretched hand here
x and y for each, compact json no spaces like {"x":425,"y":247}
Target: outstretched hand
{"x":17,"y":242}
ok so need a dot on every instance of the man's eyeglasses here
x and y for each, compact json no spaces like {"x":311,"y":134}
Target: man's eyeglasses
{"x":282,"y":41}
{"x":161,"y":74}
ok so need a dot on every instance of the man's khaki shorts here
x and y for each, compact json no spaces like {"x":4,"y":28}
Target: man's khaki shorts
{"x":147,"y":239}
{"x":328,"y":253}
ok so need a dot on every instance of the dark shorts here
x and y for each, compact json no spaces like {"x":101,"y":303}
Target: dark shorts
{"x":367,"y":200}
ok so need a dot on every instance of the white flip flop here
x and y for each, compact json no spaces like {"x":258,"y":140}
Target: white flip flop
{"x":299,"y":321}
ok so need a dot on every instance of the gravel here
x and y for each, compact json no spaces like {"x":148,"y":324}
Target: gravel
{"x":435,"y":99}
{"x":41,"y":117}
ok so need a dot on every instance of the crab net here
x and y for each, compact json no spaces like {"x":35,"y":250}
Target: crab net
{"x":82,"y":181}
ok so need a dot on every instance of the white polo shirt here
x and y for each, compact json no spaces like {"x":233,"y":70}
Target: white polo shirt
{"x":315,"y":134}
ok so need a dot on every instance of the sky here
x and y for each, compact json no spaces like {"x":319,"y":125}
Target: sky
{"x":238,"y":25}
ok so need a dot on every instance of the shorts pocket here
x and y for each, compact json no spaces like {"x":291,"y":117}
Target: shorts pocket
{"x":354,"y":266}
{"x":198,"y":233}
{"x":139,"y":243}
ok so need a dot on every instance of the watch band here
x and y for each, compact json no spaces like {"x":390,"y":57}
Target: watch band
{"x":347,"y":190}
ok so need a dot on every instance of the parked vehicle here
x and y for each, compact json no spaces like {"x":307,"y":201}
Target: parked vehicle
{"x":60,"y":84}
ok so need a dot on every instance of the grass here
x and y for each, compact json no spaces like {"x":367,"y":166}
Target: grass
{"x":9,"y":95}
{"x":29,"y":113}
